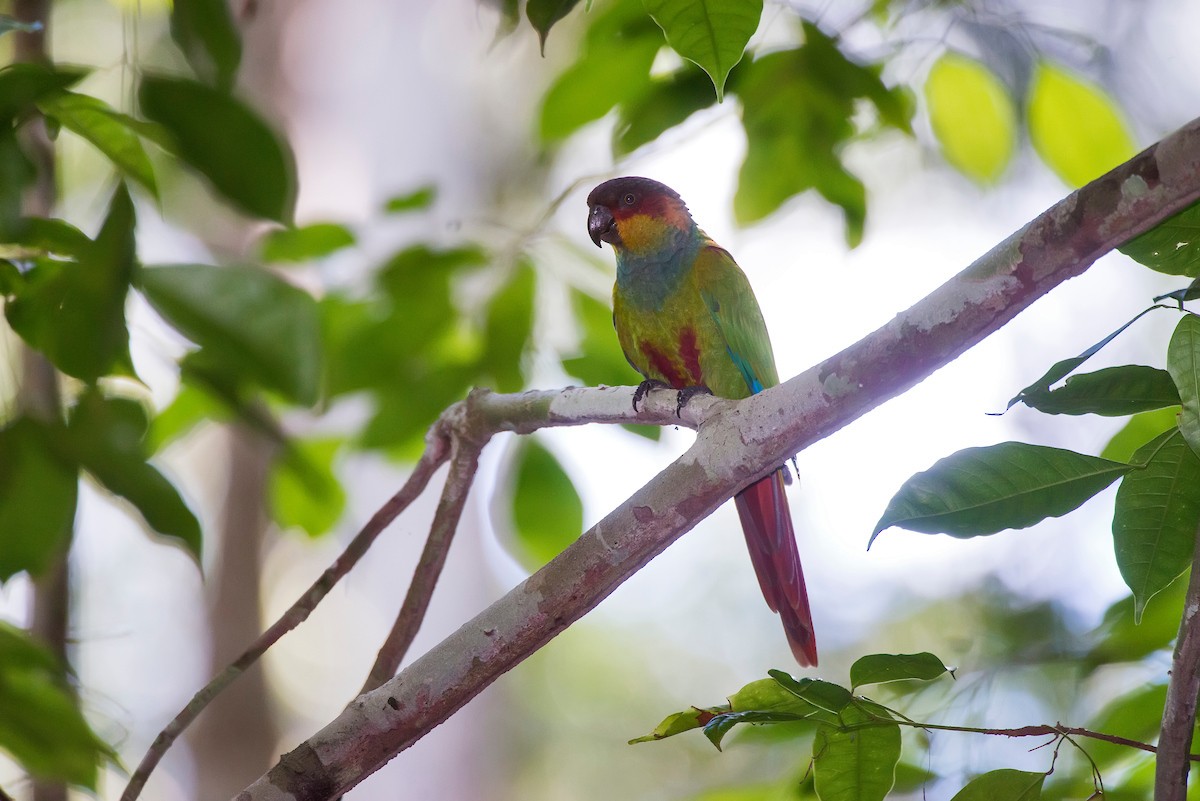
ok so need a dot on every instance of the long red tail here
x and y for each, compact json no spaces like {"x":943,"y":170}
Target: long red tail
{"x":771,"y":540}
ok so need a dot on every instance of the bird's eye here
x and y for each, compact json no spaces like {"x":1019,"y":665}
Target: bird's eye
{"x":629,"y":199}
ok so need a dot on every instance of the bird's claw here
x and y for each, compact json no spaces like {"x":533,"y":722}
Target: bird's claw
{"x":643,"y":389}
{"x":686,"y":394}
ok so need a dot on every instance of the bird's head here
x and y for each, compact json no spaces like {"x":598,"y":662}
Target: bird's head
{"x":638,"y":216}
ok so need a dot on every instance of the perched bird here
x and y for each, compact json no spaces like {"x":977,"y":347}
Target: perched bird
{"x":686,"y":317}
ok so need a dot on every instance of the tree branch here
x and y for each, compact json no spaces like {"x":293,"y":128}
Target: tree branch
{"x":738,"y":444}
{"x":1179,"y":711}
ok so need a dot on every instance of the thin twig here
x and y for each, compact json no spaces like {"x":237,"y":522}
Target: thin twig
{"x":1179,"y":711}
{"x":436,"y":453}
{"x":445,"y":522}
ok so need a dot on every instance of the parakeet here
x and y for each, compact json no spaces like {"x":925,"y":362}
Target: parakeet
{"x":686,"y":316}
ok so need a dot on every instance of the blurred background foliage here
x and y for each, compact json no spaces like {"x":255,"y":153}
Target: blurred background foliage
{"x":187,"y":279}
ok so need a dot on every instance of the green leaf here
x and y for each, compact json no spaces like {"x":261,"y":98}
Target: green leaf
{"x":305,"y":243}
{"x":1136,"y":715}
{"x":1066,"y":366}
{"x":304,"y":491}
{"x":1156,"y":517}
{"x":1113,"y":392}
{"x":1140,"y":429}
{"x":1183,"y":363}
{"x":980,"y":491}
{"x":110,"y":131}
{"x":615,"y":67}
{"x":108,"y":436}
{"x":23,"y":84}
{"x":972,"y":116}
{"x":798,"y":108}
{"x":190,"y":407}
{"x":421,"y":198}
{"x":1003,"y":785}
{"x":74,"y":313}
{"x":205,"y":32}
{"x":712,"y":34}
{"x":770,"y":695}
{"x":258,"y":326}
{"x":821,"y":694}
{"x":1119,"y":639}
{"x":227,"y":143}
{"x":880,"y":668}
{"x":543,"y":14}
{"x":680,"y":722}
{"x":50,"y":235}
{"x":38,"y":489}
{"x":667,"y":102}
{"x":1075,"y":126}
{"x":716,"y":729}
{"x":1172,"y":246}
{"x":507,"y":329}
{"x":16,"y":172}
{"x":547,"y":512}
{"x":40,"y":722}
{"x":856,"y":761}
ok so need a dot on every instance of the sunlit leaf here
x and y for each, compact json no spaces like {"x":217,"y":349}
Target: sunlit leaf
{"x":190,"y":407}
{"x":38,"y":488}
{"x":1113,"y":391}
{"x":507,"y":329}
{"x":205,"y":32}
{"x":1183,"y":363}
{"x":1140,"y":429}
{"x":543,"y":14}
{"x":713,"y":34}
{"x":1075,"y":126}
{"x":667,"y":102}
{"x":856,"y":762}
{"x":980,"y":491}
{"x":614,"y":68}
{"x":226,"y":142}
{"x":798,"y":109}
{"x":304,"y":491}
{"x":306,"y":242}
{"x":547,"y":512}
{"x":972,"y":116}
{"x":1172,"y":246}
{"x":107,"y":129}
{"x":1156,"y":517}
{"x":880,"y":668}
{"x":74,"y":312}
{"x":259,"y":326}
{"x":680,"y":722}
{"x":40,"y":722}
{"x":416,"y":200}
{"x":1003,"y":785}
{"x":716,"y":728}
{"x":108,"y":437}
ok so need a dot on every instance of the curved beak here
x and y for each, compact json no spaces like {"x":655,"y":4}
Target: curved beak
{"x":601,"y":225}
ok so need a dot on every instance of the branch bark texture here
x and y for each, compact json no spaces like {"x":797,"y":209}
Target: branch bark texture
{"x":1183,"y":690}
{"x":737,"y":443}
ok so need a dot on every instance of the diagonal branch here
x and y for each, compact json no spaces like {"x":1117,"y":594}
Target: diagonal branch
{"x":737,"y":444}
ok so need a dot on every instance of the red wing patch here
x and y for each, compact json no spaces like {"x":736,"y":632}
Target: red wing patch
{"x":691,"y":355}
{"x":666,"y":367}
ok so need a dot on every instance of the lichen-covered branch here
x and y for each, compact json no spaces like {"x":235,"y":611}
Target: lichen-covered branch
{"x":736,"y":444}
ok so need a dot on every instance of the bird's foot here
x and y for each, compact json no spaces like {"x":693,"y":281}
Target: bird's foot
{"x":644,"y":388}
{"x":686,"y":394}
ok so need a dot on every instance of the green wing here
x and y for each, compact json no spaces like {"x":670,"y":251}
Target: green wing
{"x":726,"y":293}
